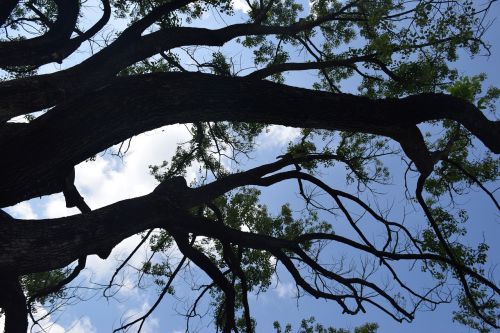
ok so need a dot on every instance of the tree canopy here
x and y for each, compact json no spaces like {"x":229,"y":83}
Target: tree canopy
{"x":386,"y":105}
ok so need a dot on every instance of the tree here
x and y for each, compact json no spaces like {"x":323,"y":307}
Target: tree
{"x":307,"y":326}
{"x":151,"y":74}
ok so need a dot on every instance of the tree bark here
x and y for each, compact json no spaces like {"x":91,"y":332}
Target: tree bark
{"x":46,"y":48}
{"x":35,"y":93}
{"x":13,"y":302}
{"x":29,"y":246}
{"x":39,"y":153}
{"x":6,"y":7}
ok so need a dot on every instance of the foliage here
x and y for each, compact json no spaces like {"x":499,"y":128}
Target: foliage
{"x":391,"y":51}
{"x":310,"y":326}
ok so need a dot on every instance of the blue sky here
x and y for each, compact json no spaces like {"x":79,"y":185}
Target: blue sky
{"x":110,"y":179}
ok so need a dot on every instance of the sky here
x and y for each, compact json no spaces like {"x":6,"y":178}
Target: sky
{"x":109,"y":179}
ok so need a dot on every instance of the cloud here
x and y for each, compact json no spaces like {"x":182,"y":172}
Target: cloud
{"x":241,"y":5}
{"x":107,"y":179}
{"x":81,"y":325}
{"x":277,"y":136}
{"x":102,"y":182}
{"x":55,"y":206}
{"x":23,"y":211}
{"x":151,"y":324}
{"x":286,"y":290}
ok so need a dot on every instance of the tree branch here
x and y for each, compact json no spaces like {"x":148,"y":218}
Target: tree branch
{"x":51,"y":144}
{"x":43,"y":49}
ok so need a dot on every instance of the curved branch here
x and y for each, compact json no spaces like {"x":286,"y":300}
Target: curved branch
{"x":107,"y":226}
{"x":349,"y":281}
{"x":131,"y":105}
{"x":6,"y":7}
{"x":46,"y":47}
{"x":234,"y":264}
{"x":203,"y":262}
{"x":56,"y":287}
{"x":43,"y":91}
{"x":397,"y":256}
{"x":273,"y":179}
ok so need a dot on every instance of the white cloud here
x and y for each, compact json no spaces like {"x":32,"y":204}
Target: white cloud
{"x":102,"y":269}
{"x":150,"y":325}
{"x":284,"y":289}
{"x":56,"y":207}
{"x":103,"y":182}
{"x":277,"y":136}
{"x":47,"y":324}
{"x":23,"y":211}
{"x":241,"y":5}
{"x":82,"y":325}
{"x":108,"y":180}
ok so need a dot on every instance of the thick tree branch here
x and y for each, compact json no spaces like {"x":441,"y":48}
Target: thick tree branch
{"x":28,"y":246}
{"x":13,"y":302}
{"x":72,"y":132}
{"x":35,"y":93}
{"x":92,"y":106}
{"x":43,"y":49}
{"x":166,"y":207}
{"x":32,"y":94}
{"x":6,"y":7}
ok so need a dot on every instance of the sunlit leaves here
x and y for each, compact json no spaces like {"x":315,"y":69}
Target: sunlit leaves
{"x":466,"y":315}
{"x":134,"y":10}
{"x":462,"y":169}
{"x":311,"y":326}
{"x":360,"y":154}
{"x":458,"y":172}
{"x":211,"y":143}
{"x":397,"y":48}
{"x":35,"y":283}
{"x":470,"y":89}
{"x":243,"y":211}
